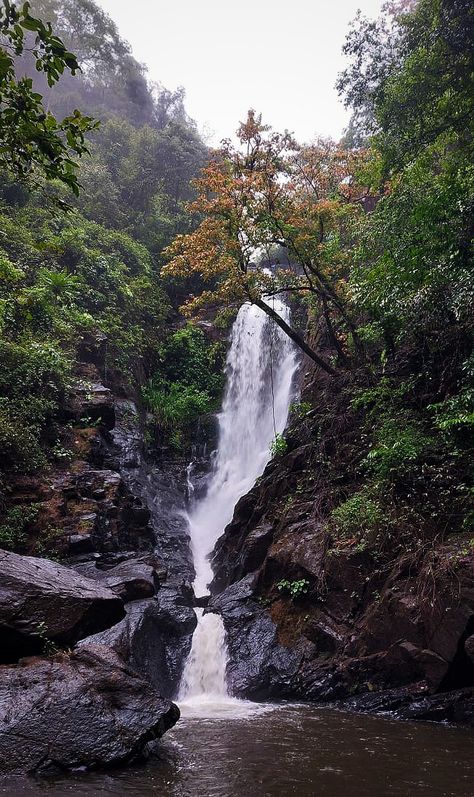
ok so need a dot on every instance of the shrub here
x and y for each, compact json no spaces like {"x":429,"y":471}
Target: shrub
{"x":295,"y":589}
{"x":187,"y":357}
{"x":455,"y":413}
{"x":279,"y":446}
{"x":358,"y":515}
{"x":20,"y":447}
{"x":399,"y":444}
{"x":177,"y":403}
{"x":15,"y":524}
{"x":32,"y":381}
{"x":299,"y":409}
{"x":187,"y":385}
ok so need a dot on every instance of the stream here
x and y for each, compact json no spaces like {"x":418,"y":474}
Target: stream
{"x":286,"y":750}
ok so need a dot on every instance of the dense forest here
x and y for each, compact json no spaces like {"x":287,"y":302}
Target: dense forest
{"x":78,"y":265}
{"x":127,"y":247}
{"x":376,"y":233}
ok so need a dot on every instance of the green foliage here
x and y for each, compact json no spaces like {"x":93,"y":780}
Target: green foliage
{"x":187,"y":385}
{"x":33,"y":143}
{"x":32,"y":382}
{"x":399,"y":445}
{"x":410,"y":76}
{"x":176,"y":403}
{"x":279,"y":446}
{"x":187,"y":355}
{"x":299,"y":409}
{"x":62,"y":279}
{"x":400,"y":438}
{"x":15,"y":524}
{"x":371,"y":333}
{"x":410,"y":81}
{"x":360,"y":515}
{"x":413,"y":265}
{"x":295,"y":589}
{"x":456,"y":413}
{"x":381,"y":397}
{"x":65,"y":280}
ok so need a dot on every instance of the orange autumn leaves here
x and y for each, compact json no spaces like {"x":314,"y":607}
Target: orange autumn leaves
{"x":268,"y":192}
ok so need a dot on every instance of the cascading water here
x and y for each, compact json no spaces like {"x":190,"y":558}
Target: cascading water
{"x":261,"y":364}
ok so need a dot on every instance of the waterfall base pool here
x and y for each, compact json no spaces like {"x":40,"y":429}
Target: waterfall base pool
{"x":287,"y":750}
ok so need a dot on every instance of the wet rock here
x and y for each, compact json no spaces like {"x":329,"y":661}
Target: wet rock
{"x":371,"y":620}
{"x":83,"y":710}
{"x":92,"y":348}
{"x":80,"y":544}
{"x":154,"y":639}
{"x":202,"y":601}
{"x":41,"y":599}
{"x":145,"y":511}
{"x":200,"y":468}
{"x":161,"y":489}
{"x":259,"y":666}
{"x":94,"y":481}
{"x":390,"y":700}
{"x":469,"y":647}
{"x":454,"y":706}
{"x":414,"y":702}
{"x":97,"y":512}
{"x":95,"y":401}
{"x":131,"y":580}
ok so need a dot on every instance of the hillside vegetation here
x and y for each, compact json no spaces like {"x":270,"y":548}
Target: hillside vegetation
{"x":373,"y":236}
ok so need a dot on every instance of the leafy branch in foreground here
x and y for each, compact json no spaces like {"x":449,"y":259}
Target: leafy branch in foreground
{"x":33,"y":143}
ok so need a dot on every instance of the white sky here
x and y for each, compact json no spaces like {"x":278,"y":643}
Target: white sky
{"x":281,"y":58}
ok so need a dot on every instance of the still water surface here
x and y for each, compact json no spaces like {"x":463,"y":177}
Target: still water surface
{"x":287,"y":750}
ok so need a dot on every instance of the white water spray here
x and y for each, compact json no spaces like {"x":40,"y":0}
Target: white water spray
{"x":261,"y":364}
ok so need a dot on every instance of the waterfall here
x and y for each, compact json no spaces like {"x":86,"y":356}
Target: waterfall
{"x":260,"y":367}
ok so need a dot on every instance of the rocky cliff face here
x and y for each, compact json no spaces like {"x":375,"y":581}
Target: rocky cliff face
{"x":366,"y":619}
{"x":114,"y":520}
{"x":116,"y":517}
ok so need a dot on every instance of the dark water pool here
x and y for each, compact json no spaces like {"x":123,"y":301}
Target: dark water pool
{"x":287,"y":750}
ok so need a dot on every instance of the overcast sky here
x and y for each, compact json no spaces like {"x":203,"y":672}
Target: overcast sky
{"x":281,"y":58}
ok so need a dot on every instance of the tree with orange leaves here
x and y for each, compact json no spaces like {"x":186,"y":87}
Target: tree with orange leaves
{"x":267,"y":192}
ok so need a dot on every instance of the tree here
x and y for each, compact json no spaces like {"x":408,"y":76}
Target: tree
{"x":414,"y":267}
{"x":272,"y":192}
{"x":33,"y":143}
{"x":112,"y":82}
{"x":410,"y":77}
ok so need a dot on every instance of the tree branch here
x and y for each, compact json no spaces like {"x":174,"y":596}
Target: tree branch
{"x":294,"y":336}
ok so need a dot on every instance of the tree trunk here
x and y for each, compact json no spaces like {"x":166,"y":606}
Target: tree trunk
{"x":300,"y":342}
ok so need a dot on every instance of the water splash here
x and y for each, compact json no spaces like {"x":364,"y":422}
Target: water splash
{"x":260,"y":368}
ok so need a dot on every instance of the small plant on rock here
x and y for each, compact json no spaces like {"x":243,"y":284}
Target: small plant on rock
{"x":15,"y":524}
{"x":295,"y":589}
{"x":279,"y":446}
{"x":299,"y":409}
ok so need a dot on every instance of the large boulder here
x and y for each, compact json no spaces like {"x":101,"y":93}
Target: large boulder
{"x":41,"y":600}
{"x":86,"y":709}
{"x":154,"y":639}
{"x":131,"y":579}
{"x":259,"y":666}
